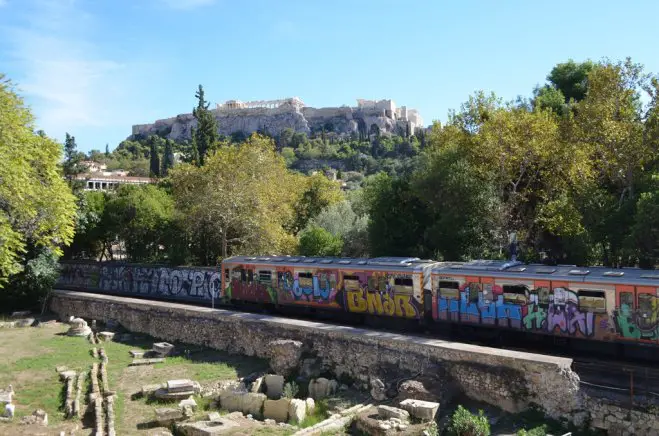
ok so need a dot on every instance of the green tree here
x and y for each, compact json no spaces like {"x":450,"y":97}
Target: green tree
{"x":645,"y":229}
{"x":141,"y":215}
{"x":341,"y":221}
{"x":167,"y":158}
{"x":319,"y":193}
{"x":316,"y":241}
{"x":571,"y":78}
{"x":107,"y":150}
{"x":206,"y":134}
{"x":397,"y":217}
{"x":154,"y":159}
{"x":37,"y":208}
{"x":549,"y":98}
{"x":239,"y":202}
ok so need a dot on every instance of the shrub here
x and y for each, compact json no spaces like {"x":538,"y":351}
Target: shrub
{"x":290,"y":390}
{"x":464,"y":423}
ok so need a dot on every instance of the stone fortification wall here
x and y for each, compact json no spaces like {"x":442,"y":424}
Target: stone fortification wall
{"x":344,"y":121}
{"x":506,"y":379}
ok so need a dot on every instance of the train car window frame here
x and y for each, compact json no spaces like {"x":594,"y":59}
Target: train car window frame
{"x":227,"y":274}
{"x":488,"y":292}
{"x":449,"y":292}
{"x":351,"y":282}
{"x":543,"y":293}
{"x":372,"y":283}
{"x":474,"y":289}
{"x":515,"y":294}
{"x":592,"y":300}
{"x":627,"y":297}
{"x":308,"y":279}
{"x":250,"y":276}
{"x":404,"y":284}
{"x":237,"y":274}
{"x":646,"y":306}
{"x":265,"y":277}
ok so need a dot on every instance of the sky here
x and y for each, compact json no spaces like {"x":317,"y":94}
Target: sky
{"x":94,"y":68}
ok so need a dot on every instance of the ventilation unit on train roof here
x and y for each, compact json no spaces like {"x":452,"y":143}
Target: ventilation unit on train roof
{"x":491,"y":265}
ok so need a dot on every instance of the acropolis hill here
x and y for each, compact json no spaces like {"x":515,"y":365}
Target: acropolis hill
{"x":273,"y":116}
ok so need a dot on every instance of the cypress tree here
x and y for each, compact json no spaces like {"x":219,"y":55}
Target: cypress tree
{"x":107,"y":150}
{"x":167,"y":158}
{"x":205,"y":135}
{"x":155,"y":159}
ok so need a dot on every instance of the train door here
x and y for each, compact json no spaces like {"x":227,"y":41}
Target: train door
{"x":647,"y":311}
{"x":488,"y":302}
{"x":447,"y":306}
{"x":469,"y":301}
{"x":625,"y":314}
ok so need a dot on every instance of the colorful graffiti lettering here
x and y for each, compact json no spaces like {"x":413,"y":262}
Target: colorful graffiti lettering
{"x":134,"y":279}
{"x":560,"y":316}
{"x":381,"y":303}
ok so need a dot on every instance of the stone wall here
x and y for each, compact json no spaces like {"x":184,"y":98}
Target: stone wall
{"x":506,"y":379}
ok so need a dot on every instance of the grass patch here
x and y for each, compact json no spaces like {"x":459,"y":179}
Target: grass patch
{"x":320,"y":413}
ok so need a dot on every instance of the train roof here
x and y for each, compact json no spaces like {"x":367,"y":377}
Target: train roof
{"x":572,"y":273}
{"x":376,"y":263}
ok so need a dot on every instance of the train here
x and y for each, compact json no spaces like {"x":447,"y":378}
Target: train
{"x":597,"y":304}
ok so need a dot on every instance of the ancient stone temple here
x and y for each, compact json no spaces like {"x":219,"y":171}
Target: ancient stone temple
{"x":78,"y":327}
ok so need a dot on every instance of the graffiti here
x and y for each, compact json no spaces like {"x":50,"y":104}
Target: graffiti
{"x":540,"y":310}
{"x":305,"y":287}
{"x":381,"y":303}
{"x":642,"y":323}
{"x":189,"y":283}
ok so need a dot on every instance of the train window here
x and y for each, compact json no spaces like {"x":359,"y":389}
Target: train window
{"x":305,"y":280}
{"x":382,"y":283}
{"x":645,"y":304}
{"x":322,"y":281}
{"x":628,"y":299}
{"x":474,"y":290}
{"x":351,"y":283}
{"x":372,"y":284}
{"x":237,"y":274}
{"x":543,"y":295}
{"x":488,"y":296}
{"x":514,"y":294}
{"x":592,"y":301}
{"x":285,"y":279}
{"x":403,"y":284}
{"x":227,"y":275}
{"x":265,"y":277}
{"x":250,"y":276}
{"x":243,"y":276}
{"x":449,"y":290}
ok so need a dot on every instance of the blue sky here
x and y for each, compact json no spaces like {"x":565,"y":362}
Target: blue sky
{"x":95,"y":67}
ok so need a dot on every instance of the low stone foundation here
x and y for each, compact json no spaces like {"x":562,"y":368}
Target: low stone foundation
{"x":507,"y":379}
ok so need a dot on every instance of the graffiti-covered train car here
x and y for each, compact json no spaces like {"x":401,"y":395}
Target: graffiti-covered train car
{"x":592,"y":303}
{"x":385,"y":286}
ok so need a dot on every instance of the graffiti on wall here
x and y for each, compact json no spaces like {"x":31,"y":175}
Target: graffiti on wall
{"x":193,"y":283}
{"x":540,"y":310}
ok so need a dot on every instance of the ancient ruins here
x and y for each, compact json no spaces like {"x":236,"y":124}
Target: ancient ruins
{"x":273,"y":116}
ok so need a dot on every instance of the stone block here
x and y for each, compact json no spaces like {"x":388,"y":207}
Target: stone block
{"x":137,"y":354}
{"x":322,"y":388}
{"x":274,"y":386}
{"x":180,"y":386}
{"x":207,"y":428}
{"x":388,"y":412}
{"x":297,"y":410}
{"x":423,"y":410}
{"x":140,"y":362}
{"x":213,"y":416}
{"x":253,"y":403}
{"x":257,"y":385}
{"x":276,"y":409}
{"x":164,"y":394}
{"x":162,"y":348}
{"x":105,"y":336}
{"x":232,"y":401}
{"x":189,"y":402}
{"x":285,"y":355}
{"x":25,"y":322}
{"x":9,"y":410}
{"x":65,"y":375}
{"x":148,"y":390}
{"x":311,"y":406}
{"x":167,"y":415}
{"x":61,"y":368}
{"x":378,"y":390}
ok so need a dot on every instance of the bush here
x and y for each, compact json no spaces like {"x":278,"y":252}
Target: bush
{"x":464,"y":423}
{"x":537,"y":431}
{"x":30,"y":289}
{"x":290,"y":390}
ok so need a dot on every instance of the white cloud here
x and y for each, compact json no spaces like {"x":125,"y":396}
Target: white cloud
{"x":68,"y":82}
{"x":186,"y":4}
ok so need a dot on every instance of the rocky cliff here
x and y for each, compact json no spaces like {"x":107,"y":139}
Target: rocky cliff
{"x":342,"y":120}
